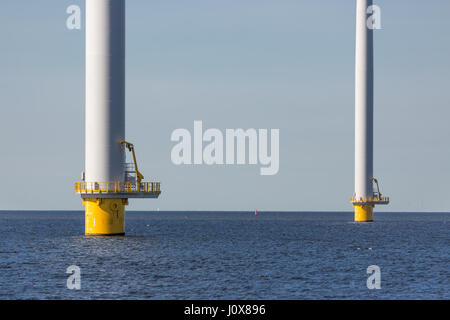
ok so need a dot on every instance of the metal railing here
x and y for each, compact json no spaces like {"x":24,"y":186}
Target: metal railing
{"x":374,"y":199}
{"x":116,"y":187}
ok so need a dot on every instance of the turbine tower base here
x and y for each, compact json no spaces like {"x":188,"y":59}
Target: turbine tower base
{"x":105,"y":217}
{"x":364,"y":213}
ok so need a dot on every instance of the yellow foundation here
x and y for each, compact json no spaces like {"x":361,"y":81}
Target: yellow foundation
{"x":105,"y":217}
{"x":363,"y":213}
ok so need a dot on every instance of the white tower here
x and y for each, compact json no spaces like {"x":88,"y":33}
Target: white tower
{"x":105,"y":90}
{"x":364,"y":198}
{"x":108,"y":180}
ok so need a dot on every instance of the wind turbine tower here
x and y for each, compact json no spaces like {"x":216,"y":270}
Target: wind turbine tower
{"x":364,"y":198}
{"x":108,"y":181}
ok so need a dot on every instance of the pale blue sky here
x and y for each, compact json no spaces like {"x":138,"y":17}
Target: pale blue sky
{"x":233,"y":64}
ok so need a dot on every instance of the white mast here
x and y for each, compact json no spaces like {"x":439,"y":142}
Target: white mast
{"x":105,"y":90}
{"x":363,"y":102}
{"x":107,"y":186}
{"x":364,"y":198}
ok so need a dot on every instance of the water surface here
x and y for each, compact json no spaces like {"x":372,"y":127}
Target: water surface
{"x":226,"y":255}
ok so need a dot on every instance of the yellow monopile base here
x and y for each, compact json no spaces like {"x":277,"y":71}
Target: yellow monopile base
{"x":363,"y":213}
{"x":105,"y":217}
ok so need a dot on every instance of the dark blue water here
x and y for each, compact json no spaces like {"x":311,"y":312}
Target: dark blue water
{"x":212,"y":255}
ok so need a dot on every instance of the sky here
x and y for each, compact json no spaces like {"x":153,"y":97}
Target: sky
{"x":286,"y":65}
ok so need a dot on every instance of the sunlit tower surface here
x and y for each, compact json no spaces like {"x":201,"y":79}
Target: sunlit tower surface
{"x":364,"y":198}
{"x":108,"y":181}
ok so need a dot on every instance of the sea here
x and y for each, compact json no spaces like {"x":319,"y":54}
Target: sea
{"x":226,"y":255}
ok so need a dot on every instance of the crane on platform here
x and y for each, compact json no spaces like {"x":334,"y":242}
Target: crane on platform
{"x":130,"y":147}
